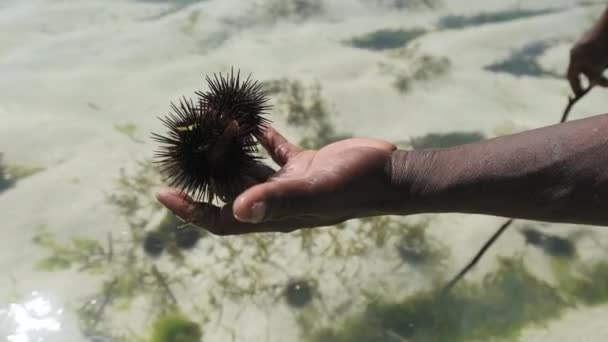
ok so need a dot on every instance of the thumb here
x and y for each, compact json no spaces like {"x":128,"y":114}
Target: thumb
{"x":602,"y":81}
{"x":273,"y":200}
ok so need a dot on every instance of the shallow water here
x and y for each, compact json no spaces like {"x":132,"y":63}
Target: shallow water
{"x":82,"y":84}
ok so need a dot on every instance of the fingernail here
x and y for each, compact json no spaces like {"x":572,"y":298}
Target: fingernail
{"x":258,"y":210}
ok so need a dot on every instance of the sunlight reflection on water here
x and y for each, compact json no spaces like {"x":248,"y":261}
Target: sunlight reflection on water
{"x":30,"y":321}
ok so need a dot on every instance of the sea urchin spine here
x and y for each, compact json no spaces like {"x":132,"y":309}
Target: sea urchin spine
{"x":209,"y":150}
{"x":234,"y":98}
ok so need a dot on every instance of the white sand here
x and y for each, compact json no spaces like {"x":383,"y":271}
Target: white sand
{"x":70,"y":71}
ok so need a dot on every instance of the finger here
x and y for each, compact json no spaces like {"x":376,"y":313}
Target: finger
{"x":574,"y":79}
{"x":277,"y":146}
{"x":275,"y":200}
{"x":178,"y":202}
{"x":599,"y":79}
{"x":256,"y":174}
{"x":261,"y":172}
{"x":216,"y":220}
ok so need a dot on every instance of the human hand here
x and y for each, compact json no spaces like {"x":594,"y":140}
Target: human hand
{"x":313,"y":188}
{"x":589,"y":57}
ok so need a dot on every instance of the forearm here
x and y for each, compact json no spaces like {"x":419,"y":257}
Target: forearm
{"x":557,"y":173}
{"x":600,"y":29}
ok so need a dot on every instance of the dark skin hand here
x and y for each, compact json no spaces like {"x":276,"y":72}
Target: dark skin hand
{"x":589,"y":57}
{"x":313,"y":188}
{"x":555,"y":174}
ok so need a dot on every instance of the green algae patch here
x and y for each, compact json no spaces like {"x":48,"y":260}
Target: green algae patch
{"x":461,"y":22}
{"x":5,"y":181}
{"x":88,"y":254}
{"x":386,"y":39}
{"x":175,"y":328}
{"x":11,"y":173}
{"x":499,"y":307}
{"x":582,"y":284}
{"x":592,"y":287}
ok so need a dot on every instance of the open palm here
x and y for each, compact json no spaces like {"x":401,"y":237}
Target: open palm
{"x":313,"y":188}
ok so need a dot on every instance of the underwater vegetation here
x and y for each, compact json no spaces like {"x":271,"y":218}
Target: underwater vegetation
{"x":209,"y":149}
{"x":175,"y":328}
{"x":441,"y":140}
{"x":126,"y":274}
{"x":176,"y":2}
{"x":237,"y":268}
{"x":87,"y":254}
{"x":524,"y":62}
{"x":385,"y":39}
{"x":416,"y":248}
{"x":276,"y":10}
{"x":401,"y":4}
{"x":552,"y":245}
{"x":5,"y":182}
{"x":129,"y":130}
{"x":306,"y":110}
{"x":420,"y":68}
{"x":11,"y":174}
{"x":175,"y":6}
{"x":460,"y":21}
{"x":498,"y":308}
{"x":590,"y":287}
{"x":151,"y":264}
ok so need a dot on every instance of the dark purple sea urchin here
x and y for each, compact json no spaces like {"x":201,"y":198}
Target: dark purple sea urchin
{"x":210,"y":147}
{"x":240,"y":100}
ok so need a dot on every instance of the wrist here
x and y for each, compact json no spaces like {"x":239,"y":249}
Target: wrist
{"x":599,"y":32}
{"x":414,"y":179}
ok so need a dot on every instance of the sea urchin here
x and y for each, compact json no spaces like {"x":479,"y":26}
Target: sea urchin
{"x":210,"y":147}
{"x":237,"y":99}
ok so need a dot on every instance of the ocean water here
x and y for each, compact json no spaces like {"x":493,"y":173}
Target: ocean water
{"x":82,"y":84}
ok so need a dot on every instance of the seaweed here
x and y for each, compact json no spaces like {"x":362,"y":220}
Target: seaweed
{"x":591,"y":286}
{"x":420,"y":68}
{"x":385,"y":39}
{"x":175,"y":327}
{"x":461,"y":21}
{"x":175,"y":6}
{"x":306,"y":109}
{"x":87,"y":254}
{"x":504,"y":303}
{"x":524,"y":62}
{"x":129,"y":130}
{"x":10,"y":174}
{"x":498,"y":308}
{"x":235,"y":268}
{"x":5,"y":181}
{"x":176,"y":2}
{"x":401,"y":4}
{"x":418,"y":249}
{"x":552,"y":245}
{"x":127,"y":275}
{"x":275,"y":10}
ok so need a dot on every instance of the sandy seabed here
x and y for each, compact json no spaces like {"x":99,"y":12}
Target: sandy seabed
{"x":82,"y":84}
